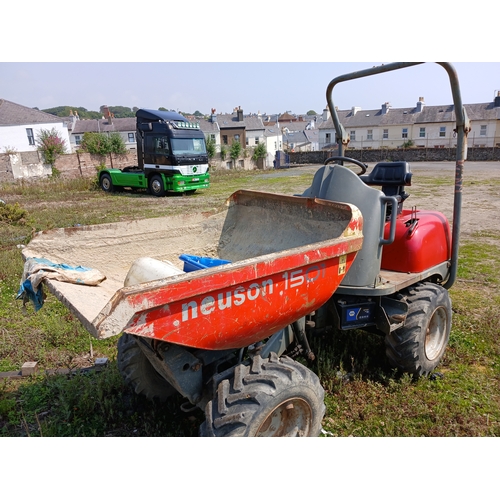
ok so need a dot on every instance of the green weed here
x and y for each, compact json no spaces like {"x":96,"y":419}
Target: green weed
{"x":364,"y":396}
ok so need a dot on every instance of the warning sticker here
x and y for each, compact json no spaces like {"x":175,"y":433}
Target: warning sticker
{"x":342,"y":264}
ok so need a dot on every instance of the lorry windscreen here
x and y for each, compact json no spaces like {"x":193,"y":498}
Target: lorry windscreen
{"x":188,"y":146}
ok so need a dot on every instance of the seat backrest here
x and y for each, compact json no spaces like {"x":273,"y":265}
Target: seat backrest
{"x":338,"y":183}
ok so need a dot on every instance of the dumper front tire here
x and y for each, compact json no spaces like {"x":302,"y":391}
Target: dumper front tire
{"x":275,"y":397}
{"x":418,"y":347}
{"x":139,"y":373}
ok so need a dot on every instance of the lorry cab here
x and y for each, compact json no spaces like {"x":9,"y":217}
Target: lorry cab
{"x":168,"y":142}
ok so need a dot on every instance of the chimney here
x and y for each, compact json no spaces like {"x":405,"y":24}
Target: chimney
{"x":239,"y":114}
{"x":420,"y":104}
{"x":213,"y":116}
{"x":497,"y":100}
{"x":326,"y":114}
{"x":355,"y":109}
{"x":107,"y":114}
{"x":385,"y":108}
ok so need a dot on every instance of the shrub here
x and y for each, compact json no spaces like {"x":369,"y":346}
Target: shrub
{"x":13,"y":214}
{"x":50,"y":144}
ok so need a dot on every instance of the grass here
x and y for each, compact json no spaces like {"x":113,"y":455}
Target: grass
{"x":364,"y":396}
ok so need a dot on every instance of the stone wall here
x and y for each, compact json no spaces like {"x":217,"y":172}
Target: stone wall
{"x":5,"y":168}
{"x":410,"y":155}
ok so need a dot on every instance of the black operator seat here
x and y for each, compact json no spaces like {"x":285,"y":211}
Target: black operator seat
{"x":392,"y":177}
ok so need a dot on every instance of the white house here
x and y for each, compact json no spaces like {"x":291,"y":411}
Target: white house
{"x":20,"y":126}
{"x":125,"y":127}
{"x":421,"y":126}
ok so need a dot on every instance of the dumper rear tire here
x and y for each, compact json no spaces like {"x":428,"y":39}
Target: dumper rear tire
{"x":272,"y":397}
{"x":139,"y":373}
{"x":418,"y":347}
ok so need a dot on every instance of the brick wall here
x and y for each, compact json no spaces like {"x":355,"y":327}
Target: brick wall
{"x":85,"y":164}
{"x":30,"y":164}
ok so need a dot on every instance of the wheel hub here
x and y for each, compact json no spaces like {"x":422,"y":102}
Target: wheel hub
{"x":435,"y":336}
{"x":155,"y":186}
{"x":291,"y":418}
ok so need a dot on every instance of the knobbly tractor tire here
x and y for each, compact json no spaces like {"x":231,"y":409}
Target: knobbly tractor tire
{"x":270,"y":397}
{"x":139,"y":373}
{"x":418,"y":347}
{"x":156,"y":187}
{"x":106,"y":183}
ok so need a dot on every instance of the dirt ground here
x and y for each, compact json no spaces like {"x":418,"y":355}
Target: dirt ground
{"x":480,"y":194}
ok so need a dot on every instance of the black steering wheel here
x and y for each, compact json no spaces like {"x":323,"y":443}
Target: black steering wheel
{"x":360,"y":164}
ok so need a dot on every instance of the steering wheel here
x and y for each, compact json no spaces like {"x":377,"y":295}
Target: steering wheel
{"x":360,"y":164}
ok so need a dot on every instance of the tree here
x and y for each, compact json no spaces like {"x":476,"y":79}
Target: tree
{"x":103,"y":144}
{"x":211,"y":148}
{"x":50,"y":144}
{"x":311,"y":113}
{"x":223,"y":152}
{"x":259,"y":152}
{"x":235,"y":150}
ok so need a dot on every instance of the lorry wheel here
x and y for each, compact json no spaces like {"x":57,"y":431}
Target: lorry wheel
{"x":106,"y":183}
{"x":139,"y":373}
{"x":418,"y":347}
{"x":270,"y":398}
{"x":156,"y":186}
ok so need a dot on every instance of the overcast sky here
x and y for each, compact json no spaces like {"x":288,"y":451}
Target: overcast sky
{"x":265,"y":87}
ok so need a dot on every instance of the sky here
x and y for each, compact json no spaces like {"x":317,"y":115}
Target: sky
{"x":267,"y":58}
{"x":266,"y":87}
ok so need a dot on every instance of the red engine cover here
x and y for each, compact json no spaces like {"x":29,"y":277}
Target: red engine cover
{"x":418,"y":245}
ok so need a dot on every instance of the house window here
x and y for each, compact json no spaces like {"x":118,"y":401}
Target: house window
{"x":237,"y":137}
{"x":483,"y":130}
{"x":131,"y":137}
{"x":31,"y":137}
{"x":422,"y":132}
{"x":224,"y":139}
{"x":442,"y":131}
{"x":404,"y":133}
{"x":78,"y":139}
{"x":352,"y":135}
{"x":369,"y":135}
{"x":385,"y":134}
{"x":212,"y":136}
{"x":328,"y":138}
{"x":256,"y":140}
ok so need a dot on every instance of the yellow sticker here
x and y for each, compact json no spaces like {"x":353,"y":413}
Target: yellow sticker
{"x":342,"y":264}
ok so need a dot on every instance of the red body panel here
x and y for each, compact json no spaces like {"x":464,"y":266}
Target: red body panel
{"x":418,"y":247}
{"x":207,"y":313}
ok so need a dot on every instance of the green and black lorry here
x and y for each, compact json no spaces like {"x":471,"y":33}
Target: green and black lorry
{"x":171,"y":155}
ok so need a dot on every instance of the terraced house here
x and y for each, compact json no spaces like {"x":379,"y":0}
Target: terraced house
{"x":420,"y":126}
